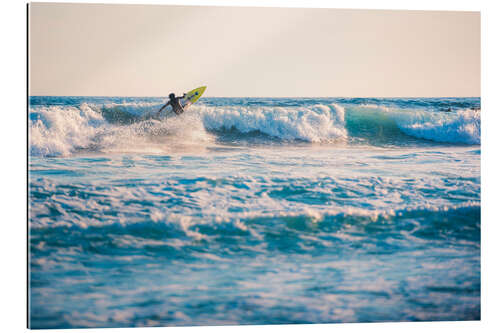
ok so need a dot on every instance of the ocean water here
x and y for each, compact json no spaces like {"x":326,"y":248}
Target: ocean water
{"x":253,"y":211}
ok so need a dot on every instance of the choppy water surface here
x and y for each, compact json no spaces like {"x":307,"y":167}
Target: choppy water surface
{"x":253,"y":211}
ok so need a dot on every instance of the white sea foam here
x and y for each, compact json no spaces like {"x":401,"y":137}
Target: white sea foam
{"x":62,"y":130}
{"x":319,"y":123}
{"x":198,"y":202}
{"x":461,"y":127}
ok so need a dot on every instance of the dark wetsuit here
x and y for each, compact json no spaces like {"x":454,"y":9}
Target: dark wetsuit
{"x":175,"y":103}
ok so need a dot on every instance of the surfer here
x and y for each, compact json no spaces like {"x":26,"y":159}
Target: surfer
{"x":174,"y":102}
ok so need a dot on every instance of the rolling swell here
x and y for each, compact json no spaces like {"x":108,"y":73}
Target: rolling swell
{"x":175,"y":237}
{"x":233,"y":216}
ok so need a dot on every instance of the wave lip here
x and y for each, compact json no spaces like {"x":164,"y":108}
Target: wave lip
{"x":461,"y":127}
{"x":319,"y":123}
{"x":384,"y":123}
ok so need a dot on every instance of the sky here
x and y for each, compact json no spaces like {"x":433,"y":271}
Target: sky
{"x":152,"y":50}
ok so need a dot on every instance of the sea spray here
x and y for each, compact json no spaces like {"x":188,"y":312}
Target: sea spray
{"x":64,"y":130}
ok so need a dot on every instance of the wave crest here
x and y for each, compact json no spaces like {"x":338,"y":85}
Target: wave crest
{"x":319,"y":123}
{"x":460,"y":127}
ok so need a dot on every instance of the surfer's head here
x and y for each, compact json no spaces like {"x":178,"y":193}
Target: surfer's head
{"x":171,"y":96}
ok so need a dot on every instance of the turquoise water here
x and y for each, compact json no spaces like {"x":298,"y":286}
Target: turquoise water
{"x":253,"y":211}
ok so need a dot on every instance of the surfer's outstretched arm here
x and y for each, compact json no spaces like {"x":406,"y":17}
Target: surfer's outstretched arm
{"x":164,"y":106}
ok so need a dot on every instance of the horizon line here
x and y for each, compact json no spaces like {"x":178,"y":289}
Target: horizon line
{"x":166,"y":96}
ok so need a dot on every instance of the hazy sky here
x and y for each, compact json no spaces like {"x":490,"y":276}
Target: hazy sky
{"x":136,"y":50}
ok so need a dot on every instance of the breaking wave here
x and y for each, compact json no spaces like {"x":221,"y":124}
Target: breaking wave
{"x":61,"y":130}
{"x":319,"y":123}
